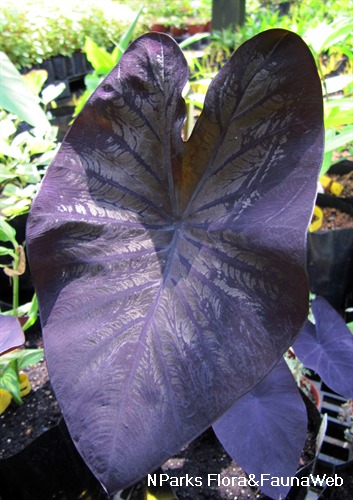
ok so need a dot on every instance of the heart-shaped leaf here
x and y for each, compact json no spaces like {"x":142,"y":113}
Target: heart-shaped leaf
{"x":327,"y":348}
{"x":171,"y":275}
{"x":265,"y":431}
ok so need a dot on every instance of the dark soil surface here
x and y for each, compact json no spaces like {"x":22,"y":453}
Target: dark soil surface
{"x":20,"y":425}
{"x":334,"y":218}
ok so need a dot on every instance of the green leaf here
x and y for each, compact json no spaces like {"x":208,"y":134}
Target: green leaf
{"x":92,"y":82}
{"x":326,"y":35}
{"x":7,"y":251}
{"x":18,"y":208}
{"x":101,"y":60}
{"x":5,"y":174}
{"x":16,"y":98}
{"x":39,"y":145}
{"x":337,"y":35}
{"x":337,"y":83}
{"x":192,"y":39}
{"x":7,"y":233}
{"x":51,"y":92}
{"x":127,"y":36}
{"x":32,"y":313}
{"x":29,"y":357}
{"x":7,"y":129}
{"x":326,"y":163}
{"x":338,"y":112}
{"x":10,"y":150}
{"x":9,"y":381}
{"x":35,"y":80}
{"x":338,"y":140}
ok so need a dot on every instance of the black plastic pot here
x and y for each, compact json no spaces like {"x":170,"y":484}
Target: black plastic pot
{"x":329,"y":201}
{"x":330,"y":253}
{"x":330,"y":266}
{"x":47,"y":65}
{"x":79,"y":63}
{"x":49,"y":468}
{"x":345,"y":492}
{"x":70,"y":67}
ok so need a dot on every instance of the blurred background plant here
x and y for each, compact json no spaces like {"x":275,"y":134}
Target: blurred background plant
{"x":103,"y":61}
{"x":35,"y":30}
{"x":14,"y":382}
{"x":27,"y":139}
{"x":27,"y":144}
{"x":346,"y":417}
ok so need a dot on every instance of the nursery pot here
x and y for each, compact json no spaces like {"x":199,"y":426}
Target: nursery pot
{"x":80,"y":64}
{"x":25,"y":384}
{"x":160,"y":28}
{"x":60,"y":69}
{"x":196,"y":28}
{"x":178,"y":32}
{"x":48,"y":468}
{"x":330,"y":266}
{"x":5,"y":400}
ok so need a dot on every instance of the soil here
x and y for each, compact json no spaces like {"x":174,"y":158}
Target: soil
{"x":21,"y":425}
{"x":332,"y":217}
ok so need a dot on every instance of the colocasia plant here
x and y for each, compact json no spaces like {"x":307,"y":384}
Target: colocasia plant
{"x":171,"y":274}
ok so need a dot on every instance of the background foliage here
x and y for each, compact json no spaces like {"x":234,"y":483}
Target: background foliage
{"x":33,"y":31}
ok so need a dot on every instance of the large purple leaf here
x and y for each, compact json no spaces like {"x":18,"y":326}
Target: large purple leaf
{"x":265,"y":431}
{"x":171,"y":275}
{"x":327,"y":348}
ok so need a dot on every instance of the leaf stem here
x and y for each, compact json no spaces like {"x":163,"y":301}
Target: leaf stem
{"x":15,"y":285}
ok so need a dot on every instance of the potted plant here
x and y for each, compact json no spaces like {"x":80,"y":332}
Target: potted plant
{"x":183,"y":238}
{"x":330,"y":246}
{"x":176,"y":255}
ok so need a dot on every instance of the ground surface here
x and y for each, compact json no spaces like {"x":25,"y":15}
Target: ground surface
{"x":334,"y":218}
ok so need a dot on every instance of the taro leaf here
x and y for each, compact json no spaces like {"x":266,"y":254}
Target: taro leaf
{"x":170,"y":275}
{"x":265,"y":431}
{"x":327,"y":348}
{"x":11,"y":334}
{"x":17,"y":98}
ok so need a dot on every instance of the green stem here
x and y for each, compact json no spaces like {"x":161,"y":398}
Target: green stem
{"x":15,"y":286}
{"x":189,"y":123}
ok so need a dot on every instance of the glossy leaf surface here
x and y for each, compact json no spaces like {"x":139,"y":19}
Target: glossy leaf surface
{"x":11,"y":334}
{"x":171,"y":275}
{"x":265,"y":431}
{"x":327,"y":348}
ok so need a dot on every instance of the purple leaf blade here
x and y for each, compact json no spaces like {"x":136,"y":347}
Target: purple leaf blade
{"x":148,"y":301}
{"x":11,"y":334}
{"x":265,"y":431}
{"x":327,"y":348}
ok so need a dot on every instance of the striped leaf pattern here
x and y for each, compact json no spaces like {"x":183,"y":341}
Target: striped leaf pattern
{"x":170,"y":274}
